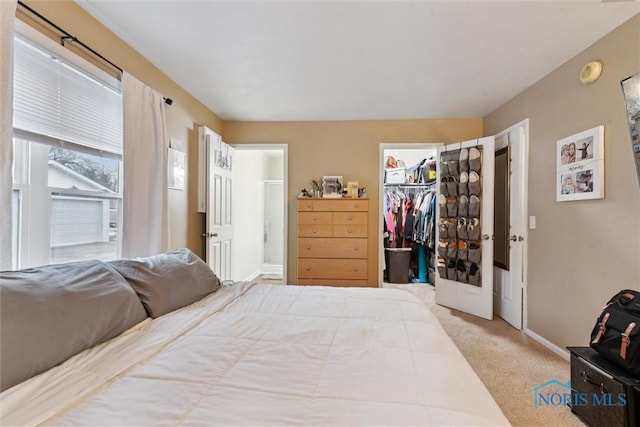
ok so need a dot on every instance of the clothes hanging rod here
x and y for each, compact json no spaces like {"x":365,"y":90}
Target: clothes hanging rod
{"x":66,"y":36}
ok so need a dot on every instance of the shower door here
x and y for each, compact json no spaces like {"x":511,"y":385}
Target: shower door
{"x":273,"y":226}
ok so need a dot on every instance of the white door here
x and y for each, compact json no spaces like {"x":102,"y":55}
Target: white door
{"x":219,"y":225}
{"x":509,"y":282}
{"x":450,"y":292}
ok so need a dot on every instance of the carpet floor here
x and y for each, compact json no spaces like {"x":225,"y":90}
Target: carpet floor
{"x":509,"y":363}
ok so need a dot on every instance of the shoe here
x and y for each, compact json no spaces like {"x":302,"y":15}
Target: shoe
{"x":463,"y":205}
{"x":442,"y":228}
{"x":442,"y":247}
{"x":452,"y":186}
{"x":452,"y":249}
{"x":473,"y":229}
{"x":474,"y":206}
{"x":475,"y":162}
{"x":464,"y":177}
{"x":474,"y":183}
{"x":474,"y":268}
{"x":462,"y":228}
{"x":452,"y":206}
{"x":475,"y":251}
{"x":463,"y":163}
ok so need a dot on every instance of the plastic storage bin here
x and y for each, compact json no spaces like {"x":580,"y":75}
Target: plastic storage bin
{"x":398,"y":265}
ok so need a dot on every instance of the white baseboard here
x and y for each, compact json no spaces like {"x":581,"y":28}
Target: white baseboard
{"x":271,"y":268}
{"x":252,"y":276}
{"x":548,"y":344}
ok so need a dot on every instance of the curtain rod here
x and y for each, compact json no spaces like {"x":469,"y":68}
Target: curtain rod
{"x":66,"y":36}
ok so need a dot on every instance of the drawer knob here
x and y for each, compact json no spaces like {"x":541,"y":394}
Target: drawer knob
{"x":350,"y":218}
{"x":308,"y":268}
{"x":315,"y":217}
{"x":349,"y":231}
{"x":315,"y":231}
{"x":355,"y":249}
{"x":357,"y":205}
{"x":308,"y":247}
{"x":308,"y":205}
{"x":355,"y":268}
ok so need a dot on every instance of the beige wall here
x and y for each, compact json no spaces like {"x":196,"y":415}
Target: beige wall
{"x":347,"y":148}
{"x":182,"y":117}
{"x":581,"y":252}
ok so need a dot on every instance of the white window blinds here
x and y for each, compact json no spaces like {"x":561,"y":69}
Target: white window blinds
{"x":55,"y":99}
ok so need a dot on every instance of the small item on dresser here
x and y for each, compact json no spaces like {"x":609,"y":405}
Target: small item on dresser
{"x":616,"y":334}
{"x":352,"y":189}
{"x":331,"y":186}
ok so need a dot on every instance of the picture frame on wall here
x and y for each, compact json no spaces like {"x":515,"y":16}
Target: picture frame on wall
{"x":175,"y":169}
{"x":580,"y":166}
{"x":631,"y":94}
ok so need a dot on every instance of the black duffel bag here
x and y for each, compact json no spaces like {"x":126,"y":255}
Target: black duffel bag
{"x":616,"y":335}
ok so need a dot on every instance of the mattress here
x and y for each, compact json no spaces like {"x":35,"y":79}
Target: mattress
{"x":267,"y":355}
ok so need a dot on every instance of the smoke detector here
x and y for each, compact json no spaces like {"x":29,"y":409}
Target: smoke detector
{"x":590,"y":72}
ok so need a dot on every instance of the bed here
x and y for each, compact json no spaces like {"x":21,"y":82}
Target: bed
{"x":250,"y":354}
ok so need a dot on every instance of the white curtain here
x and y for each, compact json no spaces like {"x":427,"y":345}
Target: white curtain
{"x":145,"y":209}
{"x":7,"y":22}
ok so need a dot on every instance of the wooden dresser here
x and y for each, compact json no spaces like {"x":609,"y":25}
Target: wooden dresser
{"x":332,"y":242}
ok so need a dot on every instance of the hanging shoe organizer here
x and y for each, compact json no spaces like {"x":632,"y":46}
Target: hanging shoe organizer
{"x":459,"y":248}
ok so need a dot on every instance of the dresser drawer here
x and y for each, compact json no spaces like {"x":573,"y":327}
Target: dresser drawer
{"x":349,"y":230}
{"x":314,"y":218}
{"x":349,"y":218}
{"x":349,"y":205}
{"x":332,"y":248}
{"x":320,"y":230}
{"x":334,"y":282}
{"x":305,"y":205}
{"x":317,"y":268}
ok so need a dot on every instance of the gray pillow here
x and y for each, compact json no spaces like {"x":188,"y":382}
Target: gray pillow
{"x":50,"y":313}
{"x":168,"y":281}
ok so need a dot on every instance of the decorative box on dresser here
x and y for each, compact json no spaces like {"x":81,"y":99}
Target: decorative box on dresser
{"x":332,"y":241}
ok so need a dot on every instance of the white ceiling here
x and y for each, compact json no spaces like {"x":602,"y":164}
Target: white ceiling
{"x":358,"y":60}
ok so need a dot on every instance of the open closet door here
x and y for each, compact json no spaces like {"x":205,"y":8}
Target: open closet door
{"x":464,"y":276}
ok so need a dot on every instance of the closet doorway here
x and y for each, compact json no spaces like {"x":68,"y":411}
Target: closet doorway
{"x":259,"y":212}
{"x":402,"y":188}
{"x":509,"y":284}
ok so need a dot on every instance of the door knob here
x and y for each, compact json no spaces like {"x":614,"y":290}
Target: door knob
{"x":513,"y":238}
{"x":485,"y":237}
{"x":209,"y":235}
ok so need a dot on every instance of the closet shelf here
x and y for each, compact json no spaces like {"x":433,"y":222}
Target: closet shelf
{"x":419,"y":185}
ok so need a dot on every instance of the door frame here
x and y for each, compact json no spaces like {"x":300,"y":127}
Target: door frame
{"x":392,"y":146}
{"x":285,"y":184}
{"x":523,"y":209}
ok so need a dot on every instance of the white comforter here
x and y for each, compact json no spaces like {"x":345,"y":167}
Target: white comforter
{"x":267,"y":355}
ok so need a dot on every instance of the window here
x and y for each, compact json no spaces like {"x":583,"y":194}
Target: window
{"x":68,"y":157}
